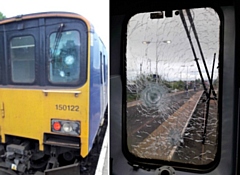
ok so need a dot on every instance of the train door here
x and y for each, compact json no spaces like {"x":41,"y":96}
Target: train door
{"x":20,"y":74}
{"x":103,"y":99}
{"x":1,"y":102}
{"x":105,"y":80}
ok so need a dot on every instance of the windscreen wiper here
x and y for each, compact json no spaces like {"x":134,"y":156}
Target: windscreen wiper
{"x":210,"y":79}
{"x":193,"y":50}
{"x":208,"y":103}
{"x":57,"y":40}
{"x":200,"y":49}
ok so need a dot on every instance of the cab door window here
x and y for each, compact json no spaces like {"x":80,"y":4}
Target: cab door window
{"x":22,"y":55}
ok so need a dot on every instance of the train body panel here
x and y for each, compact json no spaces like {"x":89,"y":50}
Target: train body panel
{"x":20,"y":110}
{"x":30,"y":114}
{"x":67,"y":105}
{"x":98,"y":86}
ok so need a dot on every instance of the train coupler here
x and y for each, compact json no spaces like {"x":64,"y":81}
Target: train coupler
{"x":53,"y":161}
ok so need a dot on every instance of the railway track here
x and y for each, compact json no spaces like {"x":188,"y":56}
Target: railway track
{"x":157,"y":137}
{"x":145,"y":121}
{"x":194,"y":150}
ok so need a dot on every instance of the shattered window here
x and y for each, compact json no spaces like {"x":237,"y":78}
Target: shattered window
{"x":65,"y":57}
{"x":172,"y":85}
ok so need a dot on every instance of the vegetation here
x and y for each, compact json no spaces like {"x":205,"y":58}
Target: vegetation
{"x":132,"y":97}
{"x":2,"y":16}
{"x":135,"y":87}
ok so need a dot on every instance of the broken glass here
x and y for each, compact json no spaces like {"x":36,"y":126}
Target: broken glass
{"x":65,"y":57}
{"x":172,"y":85}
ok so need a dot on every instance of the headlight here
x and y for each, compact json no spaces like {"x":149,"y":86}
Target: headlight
{"x":69,"y":60}
{"x":65,"y":127}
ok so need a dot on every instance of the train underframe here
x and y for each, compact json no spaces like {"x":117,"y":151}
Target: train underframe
{"x":21,"y":156}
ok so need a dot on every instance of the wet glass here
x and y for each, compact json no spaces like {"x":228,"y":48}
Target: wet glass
{"x":22,"y":53}
{"x":172,"y":85}
{"x":64,"y":64}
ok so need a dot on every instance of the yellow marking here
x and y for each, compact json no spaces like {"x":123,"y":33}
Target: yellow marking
{"x":133,"y":103}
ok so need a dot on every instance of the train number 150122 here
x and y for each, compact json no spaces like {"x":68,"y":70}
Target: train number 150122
{"x":67,"y":107}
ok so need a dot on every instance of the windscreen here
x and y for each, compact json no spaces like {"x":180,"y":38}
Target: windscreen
{"x":65,"y":57}
{"x":172,"y":85}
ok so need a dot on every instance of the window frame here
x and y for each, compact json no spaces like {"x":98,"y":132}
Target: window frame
{"x":27,"y":32}
{"x":69,"y":26}
{"x":78,"y":60}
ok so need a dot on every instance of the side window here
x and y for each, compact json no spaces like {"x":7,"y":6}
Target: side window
{"x":172,"y":87}
{"x":101,"y":68}
{"x":22,"y":55}
{"x":105,"y":67}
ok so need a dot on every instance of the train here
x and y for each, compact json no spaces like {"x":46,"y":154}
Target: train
{"x":53,"y":92}
{"x":139,"y":37}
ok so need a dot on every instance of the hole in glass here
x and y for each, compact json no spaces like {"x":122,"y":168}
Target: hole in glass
{"x":172,"y":85}
{"x":64,"y":65}
{"x":165,"y":172}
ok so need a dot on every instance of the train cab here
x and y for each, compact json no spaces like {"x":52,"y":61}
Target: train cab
{"x":174,"y":89}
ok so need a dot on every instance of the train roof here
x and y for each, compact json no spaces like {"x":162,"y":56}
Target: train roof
{"x":47,"y":15}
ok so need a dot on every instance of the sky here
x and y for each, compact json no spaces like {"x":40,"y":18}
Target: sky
{"x":96,"y":11}
{"x":161,"y":46}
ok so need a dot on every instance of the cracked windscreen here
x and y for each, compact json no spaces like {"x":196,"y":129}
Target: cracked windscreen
{"x":65,"y":57}
{"x":172,"y":85}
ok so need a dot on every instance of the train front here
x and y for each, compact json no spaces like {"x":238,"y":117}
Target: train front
{"x":44,"y":91}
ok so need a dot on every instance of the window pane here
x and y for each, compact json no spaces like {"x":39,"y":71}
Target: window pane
{"x":65,"y":57}
{"x":23,"y":59}
{"x":169,"y":113}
